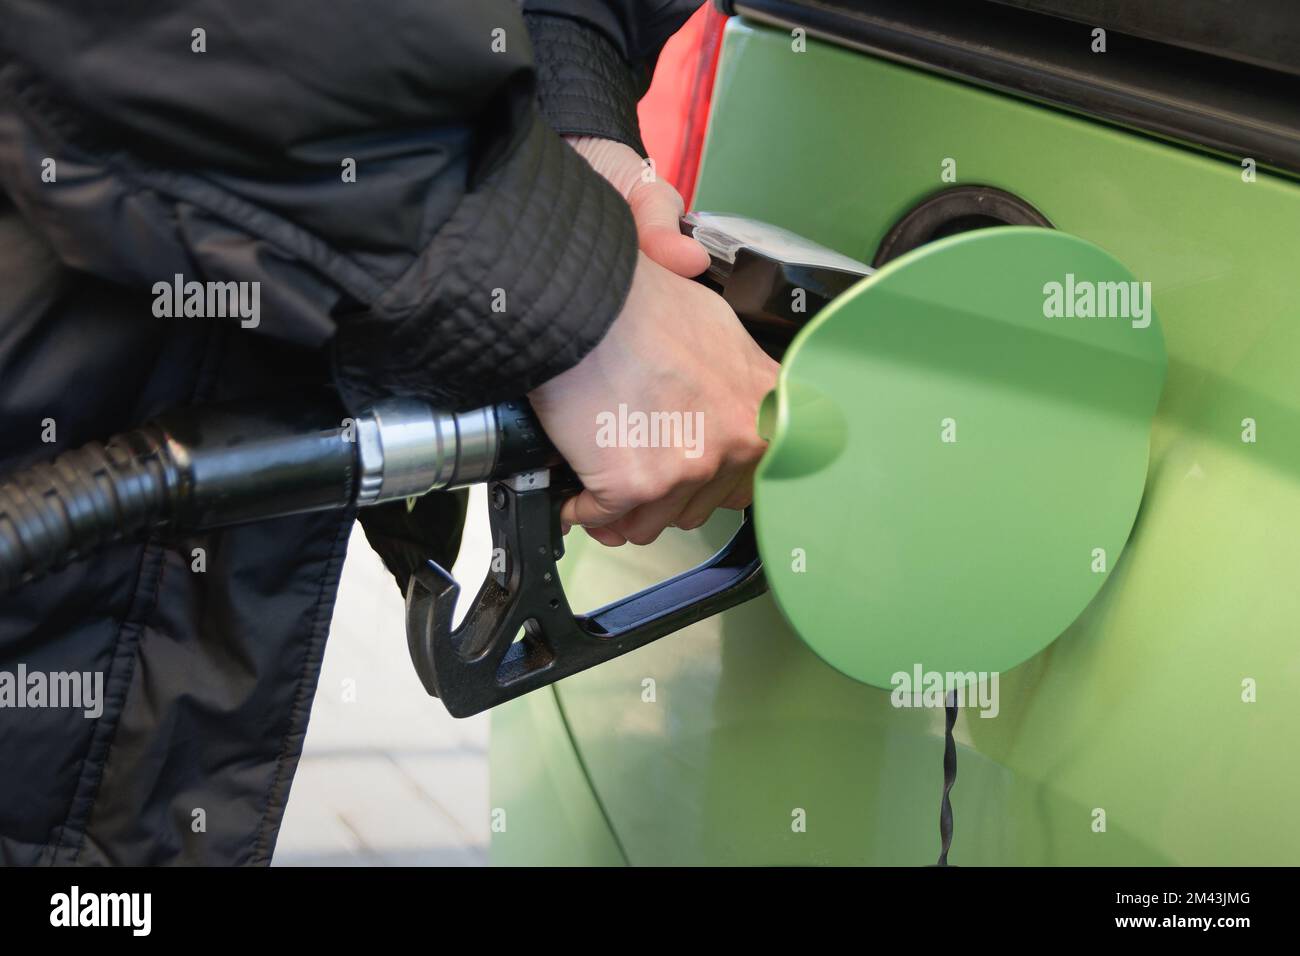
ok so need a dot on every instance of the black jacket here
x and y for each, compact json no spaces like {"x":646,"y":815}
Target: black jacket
{"x":133,"y":148}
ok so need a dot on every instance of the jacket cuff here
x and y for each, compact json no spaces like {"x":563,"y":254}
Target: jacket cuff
{"x":516,"y":287}
{"x":584,"y":86}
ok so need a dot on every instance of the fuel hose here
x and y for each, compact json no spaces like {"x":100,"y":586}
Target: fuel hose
{"x":211,"y":466}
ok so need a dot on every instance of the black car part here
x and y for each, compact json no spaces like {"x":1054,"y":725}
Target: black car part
{"x":1224,"y":77}
{"x":774,"y":279}
{"x":955,"y":210}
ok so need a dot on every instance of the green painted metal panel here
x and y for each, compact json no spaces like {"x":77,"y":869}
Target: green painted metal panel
{"x":1137,"y":709}
{"x":956,"y":458}
{"x":543,"y":809}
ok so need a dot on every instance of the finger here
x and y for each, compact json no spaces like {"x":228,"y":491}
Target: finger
{"x":708,"y":499}
{"x":740,"y":498}
{"x":606,"y":536}
{"x":644,"y":524}
{"x":658,"y":210}
{"x":585,"y":509}
{"x":742,"y":495}
{"x":742,"y":492}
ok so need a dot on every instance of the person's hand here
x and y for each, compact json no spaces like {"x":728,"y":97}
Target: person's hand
{"x":656,"y":206}
{"x":676,"y":347}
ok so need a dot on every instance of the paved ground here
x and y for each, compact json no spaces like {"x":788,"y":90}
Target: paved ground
{"x":387,"y":778}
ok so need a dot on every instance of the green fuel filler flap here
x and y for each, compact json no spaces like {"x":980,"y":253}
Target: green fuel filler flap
{"x":958,"y":449}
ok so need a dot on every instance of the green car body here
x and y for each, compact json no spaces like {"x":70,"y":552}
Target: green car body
{"x":1158,"y":728}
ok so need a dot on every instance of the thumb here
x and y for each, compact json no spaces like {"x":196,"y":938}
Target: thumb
{"x":657,"y":209}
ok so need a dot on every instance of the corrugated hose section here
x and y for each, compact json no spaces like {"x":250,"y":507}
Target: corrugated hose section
{"x":55,"y":511}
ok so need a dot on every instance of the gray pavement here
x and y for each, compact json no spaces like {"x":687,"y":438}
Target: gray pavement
{"x":387,"y":777}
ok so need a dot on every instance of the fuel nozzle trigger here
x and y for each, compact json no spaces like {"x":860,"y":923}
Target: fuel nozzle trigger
{"x":520,"y":633}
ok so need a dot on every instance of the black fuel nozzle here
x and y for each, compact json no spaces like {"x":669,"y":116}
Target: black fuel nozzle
{"x":773,"y":279}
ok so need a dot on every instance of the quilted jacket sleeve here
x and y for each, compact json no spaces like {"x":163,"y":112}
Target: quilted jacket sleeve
{"x":469,"y":255}
{"x":595,"y":59}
